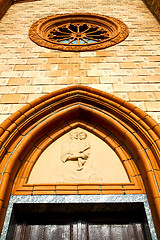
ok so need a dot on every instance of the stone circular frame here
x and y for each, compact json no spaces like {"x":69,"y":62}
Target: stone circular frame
{"x":78,"y":32}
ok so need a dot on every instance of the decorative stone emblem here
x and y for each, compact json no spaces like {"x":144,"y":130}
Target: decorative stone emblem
{"x":78,"y":32}
{"x":76,"y":149}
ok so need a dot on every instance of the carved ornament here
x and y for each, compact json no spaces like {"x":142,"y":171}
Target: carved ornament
{"x":78,"y":32}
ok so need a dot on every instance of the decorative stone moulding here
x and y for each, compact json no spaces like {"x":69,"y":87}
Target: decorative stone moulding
{"x":78,"y":32}
{"x":132,"y":134}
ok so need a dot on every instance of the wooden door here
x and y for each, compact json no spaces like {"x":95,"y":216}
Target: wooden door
{"x":66,"y":221}
{"x":79,"y":230}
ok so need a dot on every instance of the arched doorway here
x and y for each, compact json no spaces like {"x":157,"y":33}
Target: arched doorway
{"x":130,"y":132}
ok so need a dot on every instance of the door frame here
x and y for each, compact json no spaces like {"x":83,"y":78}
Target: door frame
{"x":130,"y":198}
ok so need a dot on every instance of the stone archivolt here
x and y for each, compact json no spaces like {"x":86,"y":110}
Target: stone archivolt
{"x":78,"y":32}
{"x":130,"y":132}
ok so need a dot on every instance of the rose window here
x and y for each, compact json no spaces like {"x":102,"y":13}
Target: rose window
{"x":78,"y":32}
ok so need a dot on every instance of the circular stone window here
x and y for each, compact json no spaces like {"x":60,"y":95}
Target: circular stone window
{"x":78,"y":32}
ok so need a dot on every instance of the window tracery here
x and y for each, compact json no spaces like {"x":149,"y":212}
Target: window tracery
{"x":78,"y":32}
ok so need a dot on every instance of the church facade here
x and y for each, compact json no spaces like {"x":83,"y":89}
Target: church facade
{"x":80,"y":133}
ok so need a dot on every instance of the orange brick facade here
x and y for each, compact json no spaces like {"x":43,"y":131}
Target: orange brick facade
{"x":129,"y":70}
{"x":85,"y":87}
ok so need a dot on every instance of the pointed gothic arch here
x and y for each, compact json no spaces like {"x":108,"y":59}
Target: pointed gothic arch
{"x":129,"y":131}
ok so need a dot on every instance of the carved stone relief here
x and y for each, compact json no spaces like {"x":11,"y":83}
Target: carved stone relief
{"x":78,"y":157}
{"x":77,"y":148}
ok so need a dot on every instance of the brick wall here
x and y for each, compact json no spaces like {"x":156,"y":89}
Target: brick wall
{"x":130,"y":70}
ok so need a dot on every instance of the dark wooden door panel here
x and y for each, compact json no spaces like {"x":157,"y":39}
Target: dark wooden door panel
{"x":116,"y":232}
{"x":79,"y":230}
{"x":42,"y":232}
{"x":18,"y":233}
{"x":59,"y":231}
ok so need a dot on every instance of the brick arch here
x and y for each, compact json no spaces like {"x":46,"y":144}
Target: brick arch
{"x":131,"y":133}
